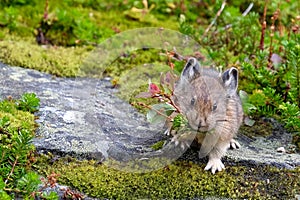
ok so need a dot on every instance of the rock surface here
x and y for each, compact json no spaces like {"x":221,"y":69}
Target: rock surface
{"x":84,"y":118}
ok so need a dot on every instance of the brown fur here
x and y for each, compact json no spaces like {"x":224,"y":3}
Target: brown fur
{"x":210,"y":102}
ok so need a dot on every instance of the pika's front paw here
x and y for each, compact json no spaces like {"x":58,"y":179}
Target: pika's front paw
{"x":183,"y":139}
{"x":214,"y":165}
{"x":234,"y":144}
{"x":184,"y":144}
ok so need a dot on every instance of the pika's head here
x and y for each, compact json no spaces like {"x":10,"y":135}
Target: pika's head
{"x":202,"y":95}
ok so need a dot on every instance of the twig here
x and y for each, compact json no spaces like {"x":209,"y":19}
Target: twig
{"x":263,"y":28}
{"x":46,"y":10}
{"x":12,"y":170}
{"x":248,"y":9}
{"x":172,"y":102}
{"x":171,"y":65}
{"x":14,"y":190}
{"x":175,"y":55}
{"x":245,"y":13}
{"x":2,"y":157}
{"x":215,"y":19}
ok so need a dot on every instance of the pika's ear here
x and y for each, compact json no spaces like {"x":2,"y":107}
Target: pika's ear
{"x":230,"y":79}
{"x":191,"y":69}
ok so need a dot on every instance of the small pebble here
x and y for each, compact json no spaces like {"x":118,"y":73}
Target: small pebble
{"x":281,"y":150}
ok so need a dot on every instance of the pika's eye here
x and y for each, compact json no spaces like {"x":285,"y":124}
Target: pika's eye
{"x":214,"y":107}
{"x":193,"y":101}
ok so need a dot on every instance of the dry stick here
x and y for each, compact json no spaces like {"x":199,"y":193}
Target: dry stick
{"x":248,"y":9}
{"x":169,"y":62}
{"x":271,"y":43}
{"x":14,"y":190}
{"x":245,"y":13}
{"x":46,"y":10}
{"x":273,"y":18}
{"x":172,"y":103}
{"x":2,"y":157}
{"x":12,"y":170}
{"x":215,"y":19}
{"x":176,"y":55}
{"x":264,"y":26}
{"x":169,"y":59}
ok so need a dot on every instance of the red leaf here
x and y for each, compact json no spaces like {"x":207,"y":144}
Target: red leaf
{"x":153,"y":89}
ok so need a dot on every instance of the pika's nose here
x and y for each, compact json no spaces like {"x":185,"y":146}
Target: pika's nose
{"x":202,"y":123}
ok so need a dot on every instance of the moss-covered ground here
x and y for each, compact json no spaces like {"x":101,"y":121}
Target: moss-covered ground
{"x":59,"y":61}
{"x":15,"y":119}
{"x":179,"y":180}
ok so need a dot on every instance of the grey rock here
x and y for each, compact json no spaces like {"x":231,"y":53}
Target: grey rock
{"x":83,"y":117}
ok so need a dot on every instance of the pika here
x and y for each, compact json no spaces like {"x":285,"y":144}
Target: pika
{"x":209,"y":101}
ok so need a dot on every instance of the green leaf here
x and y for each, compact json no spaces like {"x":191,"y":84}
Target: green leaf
{"x":29,"y":182}
{"x":28,"y":102}
{"x":4,"y":121}
{"x":179,"y":120}
{"x":2,"y":184}
{"x":158,"y":112}
{"x":51,"y":196}
{"x":247,"y":106}
{"x":4,"y":195}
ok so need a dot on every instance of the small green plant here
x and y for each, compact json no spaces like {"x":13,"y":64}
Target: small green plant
{"x":28,"y":102}
{"x":164,"y":110}
{"x":274,"y":84}
{"x":17,"y":128}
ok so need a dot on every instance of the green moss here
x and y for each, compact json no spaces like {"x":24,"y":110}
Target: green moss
{"x":260,"y":128}
{"x":59,"y":61}
{"x":176,"y":181}
{"x":158,"y":145}
{"x":17,"y":118}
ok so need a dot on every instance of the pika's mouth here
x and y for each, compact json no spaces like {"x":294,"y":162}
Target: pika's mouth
{"x":203,"y":129}
{"x":199,"y":128}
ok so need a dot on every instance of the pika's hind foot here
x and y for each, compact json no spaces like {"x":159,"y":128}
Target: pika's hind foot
{"x":214,"y":165}
{"x":234,"y":144}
